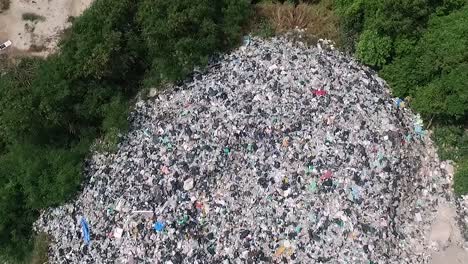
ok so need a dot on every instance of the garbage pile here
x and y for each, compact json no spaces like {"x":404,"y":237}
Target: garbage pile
{"x":278,"y":153}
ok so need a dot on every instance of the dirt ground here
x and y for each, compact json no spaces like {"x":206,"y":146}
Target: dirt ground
{"x":446,"y":234}
{"x":38,"y":37}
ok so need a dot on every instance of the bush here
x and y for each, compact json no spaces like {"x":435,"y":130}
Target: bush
{"x":4,"y":5}
{"x":374,"y":49}
{"x":435,"y":72}
{"x":399,"y":20}
{"x":32,"y":17}
{"x":452,"y":142}
{"x":453,"y":145}
{"x":181,"y":35}
{"x":461,"y":178}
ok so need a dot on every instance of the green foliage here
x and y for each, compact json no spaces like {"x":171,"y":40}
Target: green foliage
{"x":181,"y":35}
{"x":18,"y":118}
{"x":373,"y":49}
{"x":15,"y":220}
{"x":52,"y":110}
{"x":453,"y":145}
{"x":40,"y":249}
{"x":264,"y":29}
{"x":387,"y":21}
{"x":435,"y":71}
{"x":461,"y":178}
{"x":452,"y":142}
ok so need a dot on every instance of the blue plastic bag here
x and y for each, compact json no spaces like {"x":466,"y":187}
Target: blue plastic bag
{"x":85,"y":230}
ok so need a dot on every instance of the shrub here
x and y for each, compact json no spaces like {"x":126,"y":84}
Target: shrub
{"x":461,"y":178}
{"x":263,"y":28}
{"x":452,"y":142}
{"x":32,"y":17}
{"x":435,"y":72}
{"x":4,"y":5}
{"x":181,"y":35}
{"x":394,"y":19}
{"x":374,"y":49}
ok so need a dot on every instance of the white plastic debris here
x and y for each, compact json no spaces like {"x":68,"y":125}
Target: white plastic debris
{"x":5,"y":45}
{"x":254,"y":165}
{"x":118,"y":232}
{"x":188,"y":184}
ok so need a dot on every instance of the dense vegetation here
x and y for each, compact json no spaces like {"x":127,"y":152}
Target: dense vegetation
{"x":421,"y":50}
{"x":52,"y":110}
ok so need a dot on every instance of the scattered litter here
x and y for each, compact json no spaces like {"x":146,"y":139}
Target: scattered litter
{"x":119,"y":205}
{"x":146,"y":213}
{"x":356,"y":192}
{"x":313,"y":179}
{"x":247,"y":40}
{"x":418,"y":126}
{"x":118,"y":233}
{"x":165,"y":170}
{"x":159,"y":226}
{"x":183,"y":220}
{"x":227,"y":150}
{"x":85,"y":231}
{"x":5,"y":45}
{"x":273,"y":67}
{"x":250,"y":147}
{"x":319,"y":92}
{"x":327,"y":175}
{"x":313,"y":186}
{"x":188,"y":184}
{"x":285,"y":249}
{"x":418,"y":217}
{"x":400,"y":103}
{"x":198,"y":205}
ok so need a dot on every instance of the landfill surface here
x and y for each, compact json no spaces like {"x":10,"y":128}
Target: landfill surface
{"x":277,"y":153}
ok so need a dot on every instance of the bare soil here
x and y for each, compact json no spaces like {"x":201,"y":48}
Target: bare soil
{"x":45,"y":33}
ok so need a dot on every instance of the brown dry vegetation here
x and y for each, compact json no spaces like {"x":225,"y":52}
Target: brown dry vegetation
{"x":37,"y":48}
{"x":318,"y":20}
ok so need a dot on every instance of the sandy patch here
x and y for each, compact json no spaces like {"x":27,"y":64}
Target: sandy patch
{"x":446,"y":237}
{"x":38,"y":37}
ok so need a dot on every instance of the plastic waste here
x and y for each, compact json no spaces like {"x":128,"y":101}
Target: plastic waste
{"x":327,"y":175}
{"x":85,"y":231}
{"x":118,"y":232}
{"x":400,"y":103}
{"x":247,"y":40}
{"x":313,"y":186}
{"x":319,"y":92}
{"x":159,"y":226}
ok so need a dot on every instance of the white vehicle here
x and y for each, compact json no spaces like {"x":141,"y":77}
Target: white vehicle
{"x":5,"y":45}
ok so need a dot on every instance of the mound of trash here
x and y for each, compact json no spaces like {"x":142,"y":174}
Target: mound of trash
{"x":278,"y":152}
